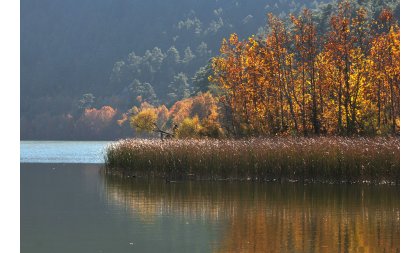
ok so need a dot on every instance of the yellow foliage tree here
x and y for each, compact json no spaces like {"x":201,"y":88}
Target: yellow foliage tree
{"x":144,"y":121}
{"x":293,"y":80}
{"x":189,"y":128}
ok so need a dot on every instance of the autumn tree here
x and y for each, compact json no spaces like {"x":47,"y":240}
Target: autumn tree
{"x":296,"y":80}
{"x":305,"y":40}
{"x":144,"y":121}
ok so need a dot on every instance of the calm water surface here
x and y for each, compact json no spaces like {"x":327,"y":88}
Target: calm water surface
{"x":77,"y":208}
{"x":62,"y":151}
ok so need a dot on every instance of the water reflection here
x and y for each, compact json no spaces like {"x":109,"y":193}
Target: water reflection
{"x":272,"y":217}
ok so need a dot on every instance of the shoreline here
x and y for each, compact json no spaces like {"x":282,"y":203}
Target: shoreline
{"x":136,"y":175}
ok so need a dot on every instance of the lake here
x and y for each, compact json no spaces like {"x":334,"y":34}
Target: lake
{"x":62,"y":151}
{"x":70,"y":205}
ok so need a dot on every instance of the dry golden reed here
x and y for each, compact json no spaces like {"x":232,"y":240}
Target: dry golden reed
{"x":319,"y":159}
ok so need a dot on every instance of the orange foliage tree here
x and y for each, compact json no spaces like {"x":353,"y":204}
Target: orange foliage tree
{"x":96,"y":122}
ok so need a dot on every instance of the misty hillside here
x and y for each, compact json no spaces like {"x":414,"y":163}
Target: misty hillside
{"x":87,"y":54}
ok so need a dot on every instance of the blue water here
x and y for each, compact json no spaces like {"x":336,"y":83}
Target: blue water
{"x":62,"y":151}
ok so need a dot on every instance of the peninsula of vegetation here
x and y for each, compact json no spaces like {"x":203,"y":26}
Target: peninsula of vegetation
{"x":322,"y":159}
{"x":299,"y":101}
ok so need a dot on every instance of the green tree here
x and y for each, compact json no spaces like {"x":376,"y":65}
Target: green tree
{"x":145,"y":90}
{"x":86,"y":102}
{"x":203,"y":51}
{"x":200,"y":81}
{"x":179,"y":87}
{"x":188,"y":55}
{"x":172,"y":56}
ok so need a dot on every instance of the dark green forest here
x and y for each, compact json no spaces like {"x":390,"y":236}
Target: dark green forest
{"x":84,"y":64}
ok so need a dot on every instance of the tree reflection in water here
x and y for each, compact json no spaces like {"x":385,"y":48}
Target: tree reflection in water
{"x":273,"y":217}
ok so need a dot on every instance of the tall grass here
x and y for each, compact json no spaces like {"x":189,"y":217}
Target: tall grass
{"x":326,"y":159}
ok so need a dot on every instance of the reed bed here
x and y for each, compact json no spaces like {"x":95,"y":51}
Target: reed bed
{"x":320,"y":159}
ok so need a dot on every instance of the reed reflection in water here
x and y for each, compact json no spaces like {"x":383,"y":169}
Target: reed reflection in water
{"x":272,"y":217}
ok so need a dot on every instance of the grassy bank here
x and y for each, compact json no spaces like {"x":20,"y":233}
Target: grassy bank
{"x":325,"y":159}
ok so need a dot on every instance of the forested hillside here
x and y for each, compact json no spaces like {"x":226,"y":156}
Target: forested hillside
{"x":84,"y":64}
